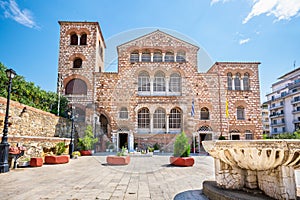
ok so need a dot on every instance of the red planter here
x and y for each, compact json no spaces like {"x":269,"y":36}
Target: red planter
{"x":57,"y":159}
{"x":182,"y":161}
{"x":117,"y":160}
{"x":85,"y":152}
{"x":36,"y":162}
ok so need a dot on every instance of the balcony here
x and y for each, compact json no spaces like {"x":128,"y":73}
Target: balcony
{"x":277,"y":124}
{"x":296,"y":121}
{"x":276,"y":115}
{"x":294,"y":101}
{"x":293,"y":85}
{"x":277,"y":106}
{"x":295,"y":111}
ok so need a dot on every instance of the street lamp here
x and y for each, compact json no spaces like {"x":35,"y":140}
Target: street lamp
{"x":72,"y":117}
{"x":4,"y":145}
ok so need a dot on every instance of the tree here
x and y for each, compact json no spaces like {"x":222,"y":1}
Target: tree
{"x":29,"y":94}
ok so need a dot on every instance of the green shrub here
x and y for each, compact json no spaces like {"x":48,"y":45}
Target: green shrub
{"x":156,"y":146}
{"x":87,"y":142}
{"x":122,"y":152}
{"x":181,"y":146}
{"x":60,"y":148}
{"x":222,"y":137}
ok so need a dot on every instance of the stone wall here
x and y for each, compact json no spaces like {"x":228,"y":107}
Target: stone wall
{"x":33,"y":128}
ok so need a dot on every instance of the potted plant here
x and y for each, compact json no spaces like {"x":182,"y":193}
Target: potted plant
{"x":23,"y":161}
{"x":59,"y":157}
{"x":76,"y":154}
{"x":86,"y":143}
{"x":181,"y":156}
{"x":120,"y":159}
{"x":156,"y":148}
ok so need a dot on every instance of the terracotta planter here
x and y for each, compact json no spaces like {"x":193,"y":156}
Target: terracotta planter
{"x":57,"y":159}
{"x":117,"y":160}
{"x":85,"y":152}
{"x":182,"y":161}
{"x":36,"y":162}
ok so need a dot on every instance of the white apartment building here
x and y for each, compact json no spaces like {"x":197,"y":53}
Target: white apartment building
{"x":284,"y":103}
{"x":265,"y":118}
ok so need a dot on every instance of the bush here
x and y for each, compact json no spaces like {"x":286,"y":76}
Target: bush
{"x":60,"y":148}
{"x":222,"y":137}
{"x":181,"y":146}
{"x":87,"y":142}
{"x":156,"y":146}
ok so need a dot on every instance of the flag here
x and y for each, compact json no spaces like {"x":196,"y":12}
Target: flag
{"x":193,"y":109}
{"x":226,"y":109}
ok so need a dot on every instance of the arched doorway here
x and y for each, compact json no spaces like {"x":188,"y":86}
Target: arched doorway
{"x":204,"y":133}
{"x":105,"y":141}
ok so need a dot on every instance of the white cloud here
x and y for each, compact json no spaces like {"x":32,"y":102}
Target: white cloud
{"x":244,"y":41}
{"x":12,"y":10}
{"x":216,"y":1}
{"x":281,"y":9}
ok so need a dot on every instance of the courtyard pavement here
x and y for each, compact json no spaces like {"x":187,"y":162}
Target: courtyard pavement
{"x":90,"y":178}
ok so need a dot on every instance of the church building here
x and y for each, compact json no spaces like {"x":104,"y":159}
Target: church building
{"x":157,"y":91}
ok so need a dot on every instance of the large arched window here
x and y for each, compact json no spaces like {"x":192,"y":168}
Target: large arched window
{"x":229,"y":81}
{"x":240,"y":113}
{"x":237,"y":81}
{"x":76,"y":86}
{"x":204,"y":114}
{"x":77,"y":63}
{"x":175,"y":83}
{"x":157,"y":56}
{"x":143,"y":118}
{"x":159,"y":82}
{"x":246,"y":81}
{"x":180,"y":57}
{"x":123,"y":113}
{"x":146,"y":56}
{"x":74,"y":39}
{"x":134,"y":56}
{"x":144,"y":82}
{"x":175,"y":118}
{"x":83,"y":39}
{"x":159,"y":119}
{"x":169,"y":57}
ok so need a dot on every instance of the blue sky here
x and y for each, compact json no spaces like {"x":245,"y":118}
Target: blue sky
{"x":267,"y":31}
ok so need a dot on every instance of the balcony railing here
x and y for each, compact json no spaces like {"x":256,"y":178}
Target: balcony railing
{"x":276,"y":115}
{"x":278,"y":124}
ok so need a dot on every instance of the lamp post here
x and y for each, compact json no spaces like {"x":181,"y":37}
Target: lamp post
{"x":72,"y":117}
{"x":4,"y":145}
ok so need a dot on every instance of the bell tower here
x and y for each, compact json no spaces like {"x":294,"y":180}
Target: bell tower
{"x":81,"y":57}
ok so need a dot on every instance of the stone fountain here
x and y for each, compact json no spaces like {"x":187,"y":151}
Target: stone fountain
{"x":267,"y":165}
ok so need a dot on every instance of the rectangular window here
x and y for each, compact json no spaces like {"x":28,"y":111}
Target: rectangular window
{"x":249,"y":136}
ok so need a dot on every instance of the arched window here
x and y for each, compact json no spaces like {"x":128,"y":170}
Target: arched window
{"x":175,"y":83}
{"x":123,"y":114}
{"x":180,"y":57}
{"x":229,"y":81}
{"x":159,"y":119}
{"x":146,"y":56}
{"x":157,"y":56}
{"x":134,"y":56}
{"x":204,"y":114}
{"x":237,"y":81}
{"x":240,"y":113}
{"x":159,"y":82}
{"x":246,"y":81}
{"x":83,"y":39}
{"x":74,"y":39}
{"x":77,"y":63}
{"x":169,"y":57}
{"x":76,"y":86}
{"x":144,"y":118}
{"x":144,"y":82}
{"x":175,"y":118}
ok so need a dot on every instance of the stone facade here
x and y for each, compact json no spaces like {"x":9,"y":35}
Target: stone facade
{"x":33,"y":128}
{"x":161,"y":57}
